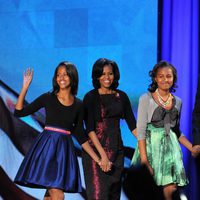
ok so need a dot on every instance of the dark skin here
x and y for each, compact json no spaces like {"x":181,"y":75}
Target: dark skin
{"x":105,"y":80}
{"x":65,"y":97}
{"x":164,"y":79}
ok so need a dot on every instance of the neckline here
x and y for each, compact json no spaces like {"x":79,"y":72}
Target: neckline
{"x":63,"y":104}
{"x":173,"y":102}
{"x":107,"y":94}
{"x":115,"y":92}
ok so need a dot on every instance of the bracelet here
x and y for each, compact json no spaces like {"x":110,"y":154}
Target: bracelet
{"x":99,"y":159}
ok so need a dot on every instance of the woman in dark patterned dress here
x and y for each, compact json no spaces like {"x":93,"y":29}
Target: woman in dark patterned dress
{"x":159,"y":132}
{"x":51,"y":162}
{"x":104,"y":107}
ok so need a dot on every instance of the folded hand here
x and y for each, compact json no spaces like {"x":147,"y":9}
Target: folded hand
{"x":105,"y":164}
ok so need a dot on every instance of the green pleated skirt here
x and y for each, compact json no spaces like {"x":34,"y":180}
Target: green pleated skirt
{"x":165,"y":157}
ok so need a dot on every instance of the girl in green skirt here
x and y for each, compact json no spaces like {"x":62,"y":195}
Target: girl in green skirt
{"x":158,"y":131}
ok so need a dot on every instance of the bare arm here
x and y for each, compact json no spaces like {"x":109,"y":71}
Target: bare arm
{"x":105,"y":163}
{"x":134,"y":132}
{"x":88,"y":101}
{"x":86,"y":146}
{"x":195,"y":150}
{"x":185,"y":142}
{"x":143,"y":154}
{"x":27,"y":78}
{"x":142,"y":122}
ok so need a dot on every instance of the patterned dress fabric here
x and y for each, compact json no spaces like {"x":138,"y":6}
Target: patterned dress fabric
{"x":101,"y":185}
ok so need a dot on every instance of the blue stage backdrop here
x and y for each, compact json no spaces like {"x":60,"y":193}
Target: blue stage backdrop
{"x":41,"y":33}
{"x":180,"y":46}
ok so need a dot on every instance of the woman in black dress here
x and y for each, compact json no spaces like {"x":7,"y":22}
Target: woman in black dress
{"x":51,"y":162}
{"x":104,"y":107}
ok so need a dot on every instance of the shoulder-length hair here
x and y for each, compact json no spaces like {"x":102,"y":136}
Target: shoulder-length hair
{"x":71,"y":72}
{"x":153,"y":73}
{"x":97,"y":72}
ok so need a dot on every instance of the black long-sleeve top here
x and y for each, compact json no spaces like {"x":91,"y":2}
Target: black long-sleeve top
{"x":58,"y":115}
{"x":92,"y":104}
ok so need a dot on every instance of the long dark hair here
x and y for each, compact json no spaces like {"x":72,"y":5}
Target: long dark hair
{"x":153,"y":73}
{"x":71,"y":72}
{"x":97,"y":72}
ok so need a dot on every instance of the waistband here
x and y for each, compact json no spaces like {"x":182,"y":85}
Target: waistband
{"x":49,"y":128}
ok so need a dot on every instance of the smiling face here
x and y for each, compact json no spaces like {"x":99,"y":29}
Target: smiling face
{"x":62,"y":78}
{"x":107,"y":77}
{"x":164,"y":78}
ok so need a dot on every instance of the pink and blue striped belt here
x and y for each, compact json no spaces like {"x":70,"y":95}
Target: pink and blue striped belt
{"x":49,"y":128}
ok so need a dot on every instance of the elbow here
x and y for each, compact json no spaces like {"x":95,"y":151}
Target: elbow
{"x":180,"y":138}
{"x":17,"y":113}
{"x":83,"y":142}
{"x":134,"y":131}
{"x":141,"y":137}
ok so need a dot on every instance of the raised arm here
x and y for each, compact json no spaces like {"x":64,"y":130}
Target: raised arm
{"x":27,"y":78}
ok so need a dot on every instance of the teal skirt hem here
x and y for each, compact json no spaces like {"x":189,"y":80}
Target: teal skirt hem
{"x":165,"y":157}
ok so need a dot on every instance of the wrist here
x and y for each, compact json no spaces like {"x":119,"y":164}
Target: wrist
{"x":144,"y":161}
{"x":98,"y":161}
{"x":103,"y":155}
{"x":24,"y":89}
{"x":190,"y":147}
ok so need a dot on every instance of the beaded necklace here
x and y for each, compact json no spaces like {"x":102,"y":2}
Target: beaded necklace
{"x":161,"y":101}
